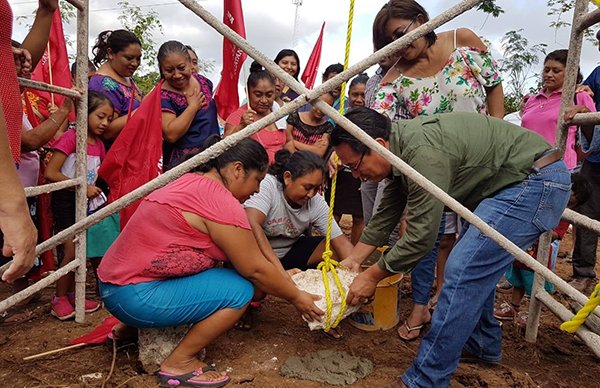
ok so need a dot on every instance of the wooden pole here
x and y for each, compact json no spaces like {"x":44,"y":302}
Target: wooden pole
{"x":53,"y":351}
{"x":50,"y":69}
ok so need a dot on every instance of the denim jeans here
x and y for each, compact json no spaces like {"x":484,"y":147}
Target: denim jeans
{"x":422,"y":277}
{"x":464,"y":316}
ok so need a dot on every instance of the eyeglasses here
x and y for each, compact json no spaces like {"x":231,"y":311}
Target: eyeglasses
{"x":357,"y":165}
{"x":401,"y":34}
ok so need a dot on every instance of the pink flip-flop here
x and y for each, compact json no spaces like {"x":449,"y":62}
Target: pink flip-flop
{"x":184,"y":380}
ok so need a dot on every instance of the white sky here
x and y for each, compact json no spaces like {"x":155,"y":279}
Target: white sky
{"x":270,"y":26}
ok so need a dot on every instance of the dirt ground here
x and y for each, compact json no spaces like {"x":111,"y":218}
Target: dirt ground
{"x":253,"y":358}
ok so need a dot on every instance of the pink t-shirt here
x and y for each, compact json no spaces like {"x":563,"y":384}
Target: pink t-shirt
{"x":95,"y":154}
{"x":541,"y":116}
{"x":158,"y":243}
{"x":272,"y":141}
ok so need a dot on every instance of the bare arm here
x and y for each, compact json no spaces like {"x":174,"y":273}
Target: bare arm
{"x":289,"y":142}
{"x":342,"y":247}
{"x":115,"y":127}
{"x":37,"y":39}
{"x":43,"y":133}
{"x":20,"y":235}
{"x":257,"y":219}
{"x":52,"y":172}
{"x":319,"y":148}
{"x":495,"y":101}
{"x":357,"y":256}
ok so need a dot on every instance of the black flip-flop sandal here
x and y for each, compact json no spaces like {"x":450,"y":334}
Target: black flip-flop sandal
{"x":28,"y":315}
{"x":171,"y":380}
{"x":331,"y":337}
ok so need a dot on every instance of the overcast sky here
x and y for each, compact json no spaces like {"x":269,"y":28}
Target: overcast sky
{"x":270,"y":26}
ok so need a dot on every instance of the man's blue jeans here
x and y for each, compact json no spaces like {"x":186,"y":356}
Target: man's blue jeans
{"x":464,"y":316}
{"x":422,"y":277}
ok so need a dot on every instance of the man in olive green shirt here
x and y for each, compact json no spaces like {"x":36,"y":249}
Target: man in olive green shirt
{"x":508,"y":176}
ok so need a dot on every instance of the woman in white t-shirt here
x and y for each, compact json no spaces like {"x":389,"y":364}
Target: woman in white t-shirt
{"x":286,"y":209}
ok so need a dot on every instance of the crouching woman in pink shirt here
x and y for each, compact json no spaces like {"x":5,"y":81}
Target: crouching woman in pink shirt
{"x":164,"y":271}
{"x":541,"y":111}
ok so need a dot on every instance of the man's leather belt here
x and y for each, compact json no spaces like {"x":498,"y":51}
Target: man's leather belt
{"x":549,"y":157}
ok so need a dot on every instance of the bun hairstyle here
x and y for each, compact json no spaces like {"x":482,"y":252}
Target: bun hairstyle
{"x":248,"y":151}
{"x":289,"y":53}
{"x":398,"y":9}
{"x":171,"y":47}
{"x":299,"y":164}
{"x":258,"y":73}
{"x":561,"y":56}
{"x":360,"y":79}
{"x":117,"y":40}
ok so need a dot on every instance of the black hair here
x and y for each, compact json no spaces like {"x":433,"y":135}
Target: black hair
{"x":258,"y":73}
{"x":360,"y":79}
{"x":374,"y":124}
{"x":171,"y":47}
{"x":581,"y":188}
{"x":74,"y":68}
{"x":336,"y":68}
{"x":398,"y":9}
{"x":96,"y":100}
{"x":116,"y":41}
{"x":288,"y":53}
{"x":299,"y":164}
{"x":561,"y":56}
{"x":248,"y":151}
{"x":187,"y":46}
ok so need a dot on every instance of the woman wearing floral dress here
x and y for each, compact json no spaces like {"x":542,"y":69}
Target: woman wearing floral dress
{"x":439,"y":73}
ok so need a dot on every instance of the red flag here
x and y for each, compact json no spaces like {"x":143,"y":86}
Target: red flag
{"x":135,"y":158}
{"x":312,"y":66}
{"x":99,"y":334}
{"x":226,"y":95}
{"x":59,"y":63}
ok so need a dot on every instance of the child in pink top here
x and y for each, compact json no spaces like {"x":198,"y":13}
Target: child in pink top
{"x":541,"y":112}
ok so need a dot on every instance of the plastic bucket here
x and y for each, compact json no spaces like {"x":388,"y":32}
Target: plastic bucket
{"x":384,"y":312}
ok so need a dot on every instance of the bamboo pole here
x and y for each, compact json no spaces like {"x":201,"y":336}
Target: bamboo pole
{"x":29,"y":84}
{"x":50,"y":70}
{"x":64,"y":349}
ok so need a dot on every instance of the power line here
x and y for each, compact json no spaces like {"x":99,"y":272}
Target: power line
{"x":103,"y":9}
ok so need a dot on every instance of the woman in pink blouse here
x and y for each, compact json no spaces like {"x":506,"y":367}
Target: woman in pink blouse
{"x":541,"y":112}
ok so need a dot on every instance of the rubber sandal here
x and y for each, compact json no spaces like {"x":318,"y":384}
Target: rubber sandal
{"x":410,"y":330}
{"x":27,"y":316}
{"x":171,"y":380}
{"x":246,"y":321}
{"x":331,"y":337}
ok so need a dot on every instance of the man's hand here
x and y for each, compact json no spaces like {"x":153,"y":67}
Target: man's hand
{"x":571,"y":112}
{"x":351,"y":264}
{"x":362,"y":290}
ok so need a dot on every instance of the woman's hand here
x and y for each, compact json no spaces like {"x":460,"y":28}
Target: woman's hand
{"x":305,"y":303}
{"x":93,"y":191}
{"x":247,"y":118}
{"x":571,"y":112}
{"x":195,"y":99}
{"x":362,"y":290}
{"x":584,"y":88}
{"x":23,"y":63}
{"x":289,"y":273}
{"x":322,"y":142}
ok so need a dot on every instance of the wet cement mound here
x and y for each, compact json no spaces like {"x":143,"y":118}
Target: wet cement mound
{"x":327,"y":366}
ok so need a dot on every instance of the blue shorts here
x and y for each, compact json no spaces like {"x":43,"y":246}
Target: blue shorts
{"x":177,"y":301}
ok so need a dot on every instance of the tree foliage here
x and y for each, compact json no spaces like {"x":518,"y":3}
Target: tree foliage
{"x":143,"y":25}
{"x":517,"y":65}
{"x":490,"y":7}
{"x":559,"y":8}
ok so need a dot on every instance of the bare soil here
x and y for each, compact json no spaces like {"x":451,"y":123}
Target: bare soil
{"x":557,"y":360}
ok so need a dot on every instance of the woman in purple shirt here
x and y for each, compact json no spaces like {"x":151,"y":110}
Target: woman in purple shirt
{"x":118,"y":53}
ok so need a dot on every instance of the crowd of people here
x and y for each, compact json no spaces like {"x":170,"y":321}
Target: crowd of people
{"x":438,"y":104}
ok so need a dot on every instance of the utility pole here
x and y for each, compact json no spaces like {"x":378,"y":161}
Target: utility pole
{"x":297,"y":3}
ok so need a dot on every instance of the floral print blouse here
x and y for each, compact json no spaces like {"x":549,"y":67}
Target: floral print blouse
{"x":458,"y":87}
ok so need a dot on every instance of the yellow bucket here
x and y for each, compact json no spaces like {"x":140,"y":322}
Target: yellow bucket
{"x":384,"y":312}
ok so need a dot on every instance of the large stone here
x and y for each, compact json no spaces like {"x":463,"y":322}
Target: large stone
{"x":157,"y":344}
{"x":311,"y":281}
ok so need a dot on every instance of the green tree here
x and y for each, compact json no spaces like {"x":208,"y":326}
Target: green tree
{"x":560,"y":7}
{"x":490,"y":7}
{"x":143,"y":25}
{"x":517,"y":65}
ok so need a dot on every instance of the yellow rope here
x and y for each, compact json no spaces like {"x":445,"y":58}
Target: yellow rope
{"x":328,"y":264}
{"x":579,"y":319}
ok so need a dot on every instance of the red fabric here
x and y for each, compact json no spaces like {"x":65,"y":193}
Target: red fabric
{"x":99,"y":334}
{"x":61,"y":75}
{"x":31,"y":116}
{"x":135,"y":158}
{"x":9,"y":86}
{"x":312,"y":66}
{"x":158,"y":243}
{"x":226,"y":95}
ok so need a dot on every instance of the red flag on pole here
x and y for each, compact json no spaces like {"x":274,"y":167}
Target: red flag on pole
{"x":226,"y":95}
{"x":312,"y":66}
{"x":53,"y":68}
{"x":135,"y":158}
